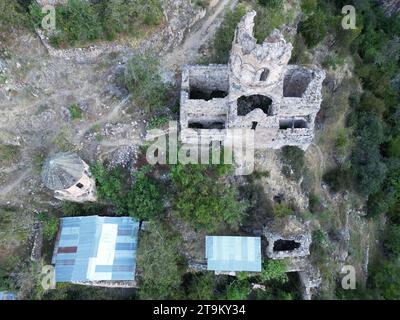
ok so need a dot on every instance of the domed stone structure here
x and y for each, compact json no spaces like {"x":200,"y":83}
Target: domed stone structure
{"x":68,"y":175}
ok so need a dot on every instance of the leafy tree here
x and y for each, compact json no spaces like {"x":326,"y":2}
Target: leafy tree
{"x":368,"y":168}
{"x":145,"y":200}
{"x":144,"y":81}
{"x":392,"y":241}
{"x":111,"y":185}
{"x":202,"y":199}
{"x":161,"y":263}
{"x":386,"y":278}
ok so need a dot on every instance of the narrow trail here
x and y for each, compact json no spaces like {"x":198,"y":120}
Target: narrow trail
{"x":110,"y":116}
{"x":188,"y":51}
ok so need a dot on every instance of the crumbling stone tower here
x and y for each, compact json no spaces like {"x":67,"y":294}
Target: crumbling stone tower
{"x":257,"y":90}
{"x":68,"y":175}
{"x":290,"y":239}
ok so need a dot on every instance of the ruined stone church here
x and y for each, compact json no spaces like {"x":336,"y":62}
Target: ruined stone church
{"x":257,"y":90}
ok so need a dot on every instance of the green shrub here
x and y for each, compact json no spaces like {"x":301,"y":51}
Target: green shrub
{"x":50,"y":226}
{"x":308,"y":6}
{"x":238,"y":290}
{"x":274,"y":270}
{"x":222,"y":42}
{"x":313,"y":29}
{"x":77,"y":23}
{"x":267,"y":19}
{"x":282,"y":210}
{"x":293,"y":162}
{"x":129,"y":16}
{"x":201,"y":287}
{"x":75,"y":112}
{"x":144,"y":81}
{"x":111,"y":185}
{"x":80,"y":22}
{"x":158,"y":122}
{"x":271,"y":3}
{"x":299,"y":52}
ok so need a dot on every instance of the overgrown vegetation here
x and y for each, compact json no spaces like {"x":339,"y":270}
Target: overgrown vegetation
{"x":203,"y":199}
{"x":144,"y":81}
{"x":161,"y":262}
{"x":138,"y":195}
{"x":293,"y":162}
{"x":12,"y":16}
{"x":49,"y":226}
{"x":9,"y":154}
{"x":80,"y":22}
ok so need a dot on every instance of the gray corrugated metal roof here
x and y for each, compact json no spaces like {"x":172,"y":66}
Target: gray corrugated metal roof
{"x":233,"y":253}
{"x":62,"y":170}
{"x":96,"y":248}
{"x":4,"y":295}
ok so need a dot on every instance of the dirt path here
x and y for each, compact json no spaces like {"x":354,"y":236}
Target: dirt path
{"x":109,"y":117}
{"x":189,"y":50}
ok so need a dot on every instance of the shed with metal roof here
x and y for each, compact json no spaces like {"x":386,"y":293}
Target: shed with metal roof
{"x":233,"y":253}
{"x":4,"y":295}
{"x":96,"y":248}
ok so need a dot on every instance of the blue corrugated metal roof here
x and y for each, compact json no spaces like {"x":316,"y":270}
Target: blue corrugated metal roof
{"x":96,"y":248}
{"x":233,"y":253}
{"x":4,"y":295}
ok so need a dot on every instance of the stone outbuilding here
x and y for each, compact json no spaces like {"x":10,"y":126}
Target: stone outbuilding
{"x":287,"y":238}
{"x":68,"y":175}
{"x":257,"y":90}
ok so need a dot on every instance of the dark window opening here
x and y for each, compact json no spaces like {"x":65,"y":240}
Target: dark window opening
{"x":79,"y":185}
{"x":286,"y":245}
{"x":254,"y":125}
{"x":203,"y":94}
{"x":296,"y":83}
{"x":292,"y":124}
{"x":206,"y":125}
{"x":264,"y":75}
{"x":246,"y":104}
{"x":279,"y":198}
